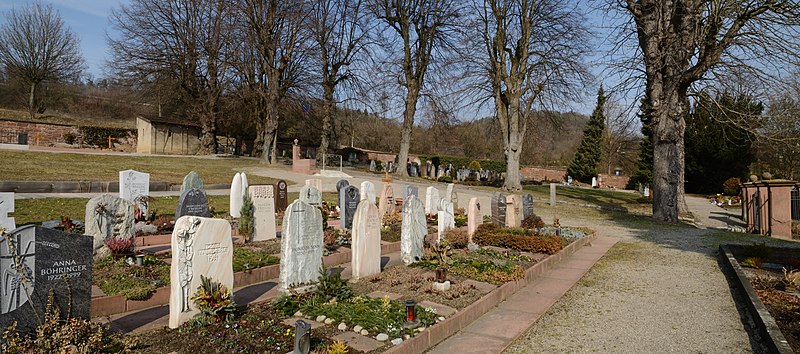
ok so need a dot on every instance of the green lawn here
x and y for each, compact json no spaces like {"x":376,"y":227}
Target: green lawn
{"x":42,"y":166}
{"x":601,"y":197}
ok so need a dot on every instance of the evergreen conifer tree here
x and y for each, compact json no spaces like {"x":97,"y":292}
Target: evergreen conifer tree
{"x":644,"y":167}
{"x":584,"y":165}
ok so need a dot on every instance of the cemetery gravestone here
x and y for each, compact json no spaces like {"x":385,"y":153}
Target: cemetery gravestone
{"x":474,"y":217}
{"x":366,"y":259}
{"x":316,"y":183}
{"x":552,"y":194}
{"x":134,"y":185}
{"x":192,"y":180}
{"x":245,"y":182}
{"x":341,"y":184}
{"x":200,"y":247}
{"x":527,"y":206}
{"x":499,"y":209}
{"x":263,"y":198}
{"x":6,"y":207}
{"x":445,"y":218}
{"x":281,"y":196}
{"x":108,"y":217}
{"x":348,"y":203}
{"x":372,"y":167}
{"x":431,"y":200}
{"x":301,"y":247}
{"x":386,"y":204}
{"x":423,"y":171}
{"x":409,"y":191}
{"x":413,"y":231}
{"x":513,"y":211}
{"x":448,"y":193}
{"x":368,"y":191}
{"x":192,"y":202}
{"x":35,"y":260}
{"x":311,"y":195}
{"x":236,"y":197}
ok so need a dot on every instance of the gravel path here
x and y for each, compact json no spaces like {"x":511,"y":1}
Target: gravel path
{"x":658,"y":290}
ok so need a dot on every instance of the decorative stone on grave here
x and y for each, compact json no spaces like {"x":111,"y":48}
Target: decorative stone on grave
{"x":237,"y":196}
{"x":35,"y":260}
{"x":366,"y":241}
{"x":192,"y":180}
{"x":386,"y":203}
{"x":108,"y":217}
{"x":6,"y":207}
{"x":134,"y":186}
{"x":281,"y":196}
{"x":368,"y":191}
{"x":413,"y":231}
{"x":527,"y":206}
{"x":316,"y":183}
{"x":263,"y":197}
{"x":341,"y":184}
{"x":200,"y":247}
{"x":301,"y":247}
{"x":499,"y":209}
{"x":409,"y":191}
{"x":513,"y":211}
{"x":474,"y":217}
{"x":431,"y":200}
{"x":445,"y":218}
{"x":349,"y":197}
{"x":311,"y":195}
{"x":193,"y":202}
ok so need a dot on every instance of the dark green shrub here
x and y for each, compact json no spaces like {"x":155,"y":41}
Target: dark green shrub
{"x":446,"y":179}
{"x":331,"y":285}
{"x":246,"y":225}
{"x":512,"y":239}
{"x":532,"y":222}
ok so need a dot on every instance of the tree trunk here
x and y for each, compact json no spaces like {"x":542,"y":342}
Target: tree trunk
{"x":327,"y":117}
{"x":408,"y":125}
{"x":513,"y":183}
{"x":208,"y":142}
{"x":32,"y":100}
{"x":668,"y":165}
{"x":266,"y":149}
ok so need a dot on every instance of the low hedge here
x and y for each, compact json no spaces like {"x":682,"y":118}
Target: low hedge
{"x":516,"y":239}
{"x":458,"y":161}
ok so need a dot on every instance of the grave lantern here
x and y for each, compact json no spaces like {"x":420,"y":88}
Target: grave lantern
{"x":411,"y":315}
{"x":441,"y":275}
{"x":302,"y":337}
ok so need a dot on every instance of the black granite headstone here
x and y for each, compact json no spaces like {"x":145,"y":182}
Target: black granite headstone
{"x":499,"y":209}
{"x":281,"y":196}
{"x":52,"y":260}
{"x":527,"y":205}
{"x":341,"y":184}
{"x":192,"y":202}
{"x":348,"y":203}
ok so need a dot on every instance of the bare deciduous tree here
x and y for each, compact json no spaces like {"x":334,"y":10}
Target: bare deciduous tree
{"x":685,"y":42}
{"x":424,"y":27}
{"x":185,"y":39}
{"x":36,"y":46}
{"x":534,"y":55}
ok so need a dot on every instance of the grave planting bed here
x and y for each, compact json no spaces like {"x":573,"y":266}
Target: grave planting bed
{"x":769,"y":277}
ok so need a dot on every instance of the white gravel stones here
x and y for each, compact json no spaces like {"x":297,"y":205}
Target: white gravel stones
{"x":342,"y":326}
{"x":382,"y":337}
{"x":364,"y":332}
{"x":357,"y":329}
{"x":321,"y":318}
{"x":328,"y":320}
{"x":397,"y":341}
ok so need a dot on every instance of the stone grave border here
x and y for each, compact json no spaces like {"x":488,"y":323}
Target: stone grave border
{"x":461,"y":319}
{"x":117,"y":304}
{"x":88,"y":186}
{"x":766,"y":326}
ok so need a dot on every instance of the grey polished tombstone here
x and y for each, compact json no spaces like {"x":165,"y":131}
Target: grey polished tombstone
{"x":527,"y":205}
{"x":281,"y":196}
{"x":192,"y":180}
{"x":348,"y":203}
{"x":499,"y":209}
{"x":50,"y":260}
{"x":192,"y":202}
{"x":341,"y":184}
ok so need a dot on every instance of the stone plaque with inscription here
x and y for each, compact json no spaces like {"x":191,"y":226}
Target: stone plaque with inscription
{"x":513,"y":211}
{"x":200,"y":246}
{"x":527,"y":206}
{"x":499,"y":209}
{"x":366,"y":245}
{"x":263,"y":198}
{"x":133,"y":187}
{"x":301,"y":247}
{"x":281,"y":196}
{"x":193,"y":202}
{"x":35,"y":260}
{"x":348,"y":203}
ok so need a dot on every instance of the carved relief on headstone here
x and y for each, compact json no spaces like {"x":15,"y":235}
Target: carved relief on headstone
{"x":263,"y":198}
{"x":311,"y":195}
{"x":413,"y":230}
{"x":410,"y":190}
{"x":366,"y":252}
{"x":349,"y":197}
{"x":6,"y":207}
{"x":281,"y":196}
{"x":386,"y":203}
{"x":108,"y":217}
{"x":315,"y":182}
{"x":134,"y":186}
{"x":301,"y":247}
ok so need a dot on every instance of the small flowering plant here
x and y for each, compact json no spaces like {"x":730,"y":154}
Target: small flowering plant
{"x":214,"y":300}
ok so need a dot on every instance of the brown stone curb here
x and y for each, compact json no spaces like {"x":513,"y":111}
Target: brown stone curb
{"x":112,"y":305}
{"x":768,"y":329}
{"x":461,"y":319}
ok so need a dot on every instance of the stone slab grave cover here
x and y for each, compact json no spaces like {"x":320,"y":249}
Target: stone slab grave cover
{"x":237,"y":196}
{"x":108,"y":217}
{"x":311,"y":195}
{"x":48,"y":260}
{"x":349,"y":197}
{"x":316,"y":183}
{"x":193,"y":202}
{"x":366,"y":243}
{"x":431,"y":200}
{"x":527,"y":206}
{"x":133,"y":187}
{"x":301,"y":247}
{"x":368,"y":191}
{"x":341,"y":184}
{"x":192,"y":180}
{"x":263,"y":197}
{"x":474,"y":217}
{"x":445,"y":218}
{"x":200,"y":247}
{"x":513,"y":211}
{"x":281,"y":196}
{"x":413,"y":231}
{"x":6,"y":207}
{"x":410,"y":190}
{"x":499,"y":209}
{"x":386,"y":203}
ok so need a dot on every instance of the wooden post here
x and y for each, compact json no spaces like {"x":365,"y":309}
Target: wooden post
{"x":109,"y":143}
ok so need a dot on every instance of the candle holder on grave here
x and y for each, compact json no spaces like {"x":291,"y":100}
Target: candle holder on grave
{"x":411,"y":315}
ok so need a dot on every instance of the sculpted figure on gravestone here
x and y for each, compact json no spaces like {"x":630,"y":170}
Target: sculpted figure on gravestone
{"x":186,"y":234}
